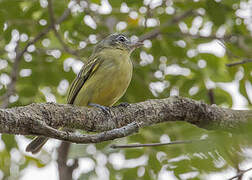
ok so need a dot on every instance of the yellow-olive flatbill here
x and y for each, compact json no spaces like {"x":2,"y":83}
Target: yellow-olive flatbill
{"x":103,"y":80}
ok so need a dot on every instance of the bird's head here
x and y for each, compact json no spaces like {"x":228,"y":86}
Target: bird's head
{"x":118,"y":41}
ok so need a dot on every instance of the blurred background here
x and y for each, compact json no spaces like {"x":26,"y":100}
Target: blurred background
{"x":201,"y":49}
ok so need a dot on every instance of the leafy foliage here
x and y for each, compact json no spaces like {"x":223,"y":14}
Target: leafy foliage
{"x":176,"y":62}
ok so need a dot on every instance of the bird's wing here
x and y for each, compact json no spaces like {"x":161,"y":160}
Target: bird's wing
{"x":85,"y":73}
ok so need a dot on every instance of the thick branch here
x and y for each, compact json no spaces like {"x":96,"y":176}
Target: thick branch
{"x":44,"y":119}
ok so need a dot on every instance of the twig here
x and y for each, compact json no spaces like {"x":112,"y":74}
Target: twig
{"x":13,"y":75}
{"x":44,"y":32}
{"x":211,"y":96}
{"x":239,"y":62}
{"x":240,"y":173}
{"x":238,"y":169}
{"x":82,"y":138}
{"x":148,"y":14}
{"x":114,"y":146}
{"x":229,"y":52}
{"x":58,"y":36}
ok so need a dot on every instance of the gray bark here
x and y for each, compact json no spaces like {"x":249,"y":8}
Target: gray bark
{"x":44,"y":119}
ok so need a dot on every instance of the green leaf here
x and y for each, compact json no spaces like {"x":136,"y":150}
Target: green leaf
{"x":38,"y":163}
{"x":216,"y":11}
{"x":9,"y":141}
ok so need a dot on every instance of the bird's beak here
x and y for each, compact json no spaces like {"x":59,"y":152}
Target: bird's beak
{"x":136,"y":45}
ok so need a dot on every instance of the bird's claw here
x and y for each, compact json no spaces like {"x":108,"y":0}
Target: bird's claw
{"x":105,"y":109}
{"x":123,"y":104}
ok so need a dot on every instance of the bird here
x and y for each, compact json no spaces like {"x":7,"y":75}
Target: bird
{"x":102,"y":81}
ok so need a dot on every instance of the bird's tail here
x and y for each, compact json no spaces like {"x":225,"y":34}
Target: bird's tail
{"x":36,"y":144}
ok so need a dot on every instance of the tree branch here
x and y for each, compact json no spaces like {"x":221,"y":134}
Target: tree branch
{"x":211,"y":96}
{"x":239,"y":62}
{"x":115,"y":146}
{"x":44,"y":119}
{"x":58,"y":36}
{"x":65,"y":171}
{"x":232,"y":56}
{"x":13,"y":76}
{"x":240,"y":174}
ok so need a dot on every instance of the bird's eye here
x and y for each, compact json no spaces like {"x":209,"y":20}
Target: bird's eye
{"x":121,"y":38}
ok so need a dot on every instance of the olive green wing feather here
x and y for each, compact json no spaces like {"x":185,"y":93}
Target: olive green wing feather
{"x":85,"y":73}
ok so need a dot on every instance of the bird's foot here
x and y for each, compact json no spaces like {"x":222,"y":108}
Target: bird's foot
{"x":105,"y":109}
{"x":123,"y":104}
